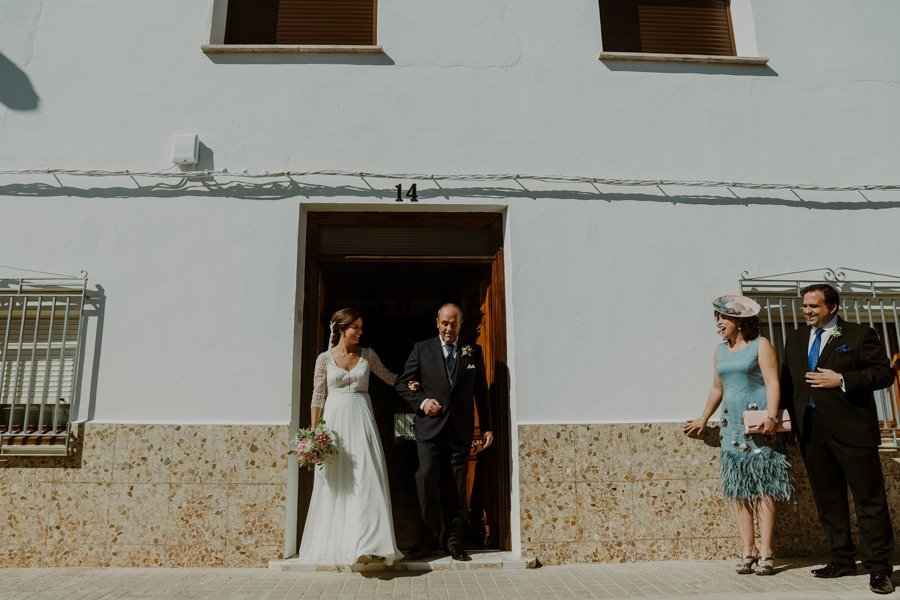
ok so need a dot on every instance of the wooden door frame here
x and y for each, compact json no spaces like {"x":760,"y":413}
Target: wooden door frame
{"x":499,"y":468}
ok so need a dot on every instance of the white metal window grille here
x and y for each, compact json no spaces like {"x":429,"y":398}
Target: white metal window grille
{"x":869,"y":298}
{"x":40,"y":333}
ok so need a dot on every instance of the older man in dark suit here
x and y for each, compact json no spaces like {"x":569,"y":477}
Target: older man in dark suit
{"x":451,"y":377}
{"x":831,"y":369}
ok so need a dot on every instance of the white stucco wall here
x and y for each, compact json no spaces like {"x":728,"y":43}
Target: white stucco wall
{"x":607,"y":295}
{"x":614,"y":322}
{"x":197,"y":322}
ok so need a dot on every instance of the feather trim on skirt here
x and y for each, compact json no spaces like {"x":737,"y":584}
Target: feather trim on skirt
{"x":748,"y":476}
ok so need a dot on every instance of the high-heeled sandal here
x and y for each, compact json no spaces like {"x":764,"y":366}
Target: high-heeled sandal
{"x":765,"y":569}
{"x":745,"y":567}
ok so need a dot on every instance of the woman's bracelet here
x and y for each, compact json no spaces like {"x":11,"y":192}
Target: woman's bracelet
{"x":775,"y":420}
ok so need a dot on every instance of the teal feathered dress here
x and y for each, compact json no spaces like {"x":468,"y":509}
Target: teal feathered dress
{"x":756,"y":465}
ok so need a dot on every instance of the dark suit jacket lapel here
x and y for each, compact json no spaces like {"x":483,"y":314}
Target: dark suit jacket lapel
{"x":802,"y":354}
{"x":832,"y":342}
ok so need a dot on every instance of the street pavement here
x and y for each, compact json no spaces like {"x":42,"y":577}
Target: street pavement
{"x":670,"y":579}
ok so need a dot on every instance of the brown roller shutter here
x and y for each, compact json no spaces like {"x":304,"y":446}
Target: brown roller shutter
{"x":251,"y":21}
{"x":667,"y":26}
{"x":325,"y":22}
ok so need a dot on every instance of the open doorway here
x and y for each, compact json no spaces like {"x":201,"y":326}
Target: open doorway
{"x":397,"y":270}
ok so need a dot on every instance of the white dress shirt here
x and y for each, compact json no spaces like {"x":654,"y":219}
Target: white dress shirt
{"x":446,"y":349}
{"x":825,"y":335}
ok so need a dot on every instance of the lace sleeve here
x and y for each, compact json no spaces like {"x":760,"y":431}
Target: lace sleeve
{"x":320,"y":381}
{"x":377,"y":367}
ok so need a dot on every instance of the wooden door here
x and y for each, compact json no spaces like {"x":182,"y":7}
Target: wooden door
{"x":481,"y":293}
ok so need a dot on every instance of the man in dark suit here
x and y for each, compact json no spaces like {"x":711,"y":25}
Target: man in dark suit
{"x":831,"y":369}
{"x":451,"y":376}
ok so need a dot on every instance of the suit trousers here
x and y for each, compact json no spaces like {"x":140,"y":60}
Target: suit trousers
{"x":832,"y":467}
{"x":441,"y":484}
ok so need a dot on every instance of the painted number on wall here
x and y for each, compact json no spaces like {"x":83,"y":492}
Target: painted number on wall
{"x":410,"y":193}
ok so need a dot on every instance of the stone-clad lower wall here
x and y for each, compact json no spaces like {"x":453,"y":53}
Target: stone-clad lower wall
{"x":636,"y":492}
{"x":149,"y":495}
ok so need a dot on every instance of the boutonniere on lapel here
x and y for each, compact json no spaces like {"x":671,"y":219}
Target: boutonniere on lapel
{"x":466,"y":351}
{"x":836,"y":333}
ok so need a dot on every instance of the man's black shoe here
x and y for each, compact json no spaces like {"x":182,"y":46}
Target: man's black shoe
{"x":835,"y":569}
{"x":457,"y":552}
{"x":880,"y":583}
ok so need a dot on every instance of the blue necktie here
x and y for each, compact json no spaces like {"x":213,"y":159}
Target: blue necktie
{"x":813,"y":359}
{"x":450,"y":360}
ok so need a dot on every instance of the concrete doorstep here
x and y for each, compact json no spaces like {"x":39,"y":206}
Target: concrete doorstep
{"x":480,"y":561}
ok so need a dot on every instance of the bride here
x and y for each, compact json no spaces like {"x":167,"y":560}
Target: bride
{"x":349,"y":517}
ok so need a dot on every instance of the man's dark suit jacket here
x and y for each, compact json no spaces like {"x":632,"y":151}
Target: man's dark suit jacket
{"x":858,"y":355}
{"x":426,"y":365}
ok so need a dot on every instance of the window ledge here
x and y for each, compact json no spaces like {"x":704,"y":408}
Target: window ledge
{"x":685,"y":58}
{"x":287,"y":49}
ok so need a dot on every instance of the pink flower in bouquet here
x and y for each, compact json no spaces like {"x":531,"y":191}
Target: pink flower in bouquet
{"x":315,"y":446}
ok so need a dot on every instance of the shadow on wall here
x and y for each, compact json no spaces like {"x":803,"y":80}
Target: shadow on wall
{"x":689,"y":67}
{"x":300,"y":59}
{"x":94,"y":308}
{"x":16,"y":91}
{"x":205,"y":162}
{"x":202,"y":185}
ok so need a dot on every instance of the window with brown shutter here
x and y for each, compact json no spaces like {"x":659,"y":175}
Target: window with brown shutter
{"x":667,"y":26}
{"x":301,"y":22}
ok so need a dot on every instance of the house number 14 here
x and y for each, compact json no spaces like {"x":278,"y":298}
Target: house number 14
{"x":410,"y":193}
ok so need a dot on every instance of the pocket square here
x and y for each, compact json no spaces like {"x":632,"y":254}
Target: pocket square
{"x":470,"y":367}
{"x":844,"y":348}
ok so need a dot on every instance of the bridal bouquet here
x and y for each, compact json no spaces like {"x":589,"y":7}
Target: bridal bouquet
{"x":314,"y":446}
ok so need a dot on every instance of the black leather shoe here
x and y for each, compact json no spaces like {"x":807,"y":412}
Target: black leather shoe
{"x":457,"y":552}
{"x":880,"y":583}
{"x":835,"y":569}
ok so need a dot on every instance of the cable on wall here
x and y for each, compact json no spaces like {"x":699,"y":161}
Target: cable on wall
{"x":451,"y":177}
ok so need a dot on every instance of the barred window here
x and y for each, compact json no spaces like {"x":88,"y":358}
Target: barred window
{"x":40,"y":331}
{"x":871,"y":299}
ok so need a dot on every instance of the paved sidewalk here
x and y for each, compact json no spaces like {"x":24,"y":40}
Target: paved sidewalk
{"x":672,"y":579}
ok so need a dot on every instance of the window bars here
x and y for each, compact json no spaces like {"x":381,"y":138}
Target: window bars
{"x":41,"y":323}
{"x":869,"y":298}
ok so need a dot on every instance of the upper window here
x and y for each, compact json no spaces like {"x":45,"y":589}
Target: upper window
{"x":667,"y":27}
{"x":301,"y":22}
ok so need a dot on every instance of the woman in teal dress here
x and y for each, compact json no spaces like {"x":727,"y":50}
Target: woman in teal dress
{"x":755,"y":470}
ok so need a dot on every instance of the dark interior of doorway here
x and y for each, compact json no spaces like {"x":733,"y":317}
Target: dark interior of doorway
{"x":398,"y":302}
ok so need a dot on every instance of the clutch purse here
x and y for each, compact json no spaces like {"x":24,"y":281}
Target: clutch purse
{"x":753,"y":420}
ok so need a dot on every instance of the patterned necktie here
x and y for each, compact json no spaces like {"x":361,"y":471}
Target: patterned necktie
{"x":450,"y":360}
{"x":813,"y":359}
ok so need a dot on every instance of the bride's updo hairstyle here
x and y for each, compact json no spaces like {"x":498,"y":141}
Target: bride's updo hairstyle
{"x":340,"y":321}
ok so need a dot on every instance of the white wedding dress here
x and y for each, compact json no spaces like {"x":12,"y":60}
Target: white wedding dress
{"x":350,"y":510}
